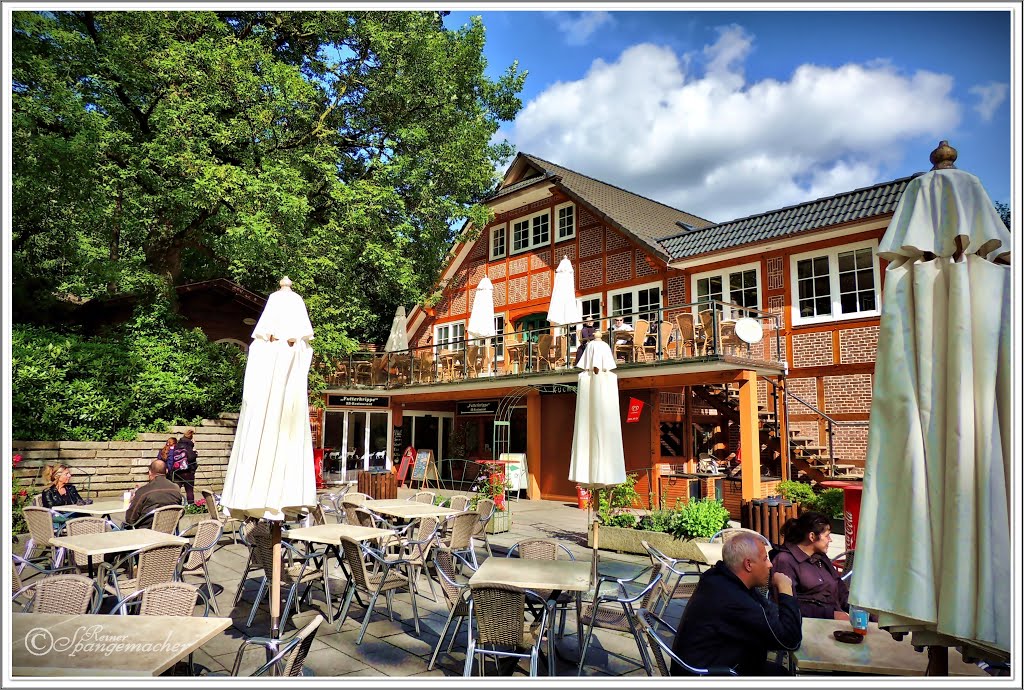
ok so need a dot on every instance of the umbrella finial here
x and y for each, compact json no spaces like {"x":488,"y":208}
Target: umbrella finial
{"x":943,"y":156}
{"x":286,"y":283}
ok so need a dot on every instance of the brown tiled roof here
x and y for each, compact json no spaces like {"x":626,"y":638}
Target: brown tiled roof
{"x":846,"y":207}
{"x":644,"y":219}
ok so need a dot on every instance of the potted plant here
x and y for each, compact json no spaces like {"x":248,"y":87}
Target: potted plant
{"x":491,"y":483}
{"x":21,"y":496}
{"x":830,"y":503}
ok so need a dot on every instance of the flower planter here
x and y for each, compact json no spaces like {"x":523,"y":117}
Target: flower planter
{"x":625,"y":540}
{"x":501,"y":521}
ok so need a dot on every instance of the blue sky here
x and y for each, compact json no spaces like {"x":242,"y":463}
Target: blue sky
{"x":729,"y":113}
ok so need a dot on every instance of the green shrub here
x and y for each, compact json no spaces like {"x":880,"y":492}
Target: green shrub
{"x":699,"y":519}
{"x":148,"y":372}
{"x":617,"y":499}
{"x":657,"y":521}
{"x":830,"y":503}
{"x":797,"y":492}
{"x":627,"y":520}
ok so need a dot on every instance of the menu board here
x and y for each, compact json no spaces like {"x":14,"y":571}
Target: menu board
{"x":424,"y":459}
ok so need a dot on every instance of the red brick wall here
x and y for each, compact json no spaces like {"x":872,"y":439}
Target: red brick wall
{"x":496,"y":270}
{"x":858,"y":345}
{"x":848,"y":394}
{"x":676,"y":293}
{"x":500,"y":293}
{"x":812,"y":349}
{"x":540,"y":260}
{"x":517,"y":290}
{"x":590,"y":274}
{"x":643,"y":267}
{"x":591,"y":240}
{"x":540,"y":284}
{"x":619,"y":267}
{"x":851,"y":443}
{"x":518,"y":265}
{"x":613,"y":240}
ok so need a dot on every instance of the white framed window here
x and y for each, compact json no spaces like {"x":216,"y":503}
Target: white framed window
{"x":565,"y":221}
{"x":498,"y":242}
{"x":736,"y":285}
{"x":836,"y":283}
{"x":498,"y":341}
{"x":450,"y":336}
{"x":590,"y":308}
{"x":638,"y":302}
{"x":531,"y":231}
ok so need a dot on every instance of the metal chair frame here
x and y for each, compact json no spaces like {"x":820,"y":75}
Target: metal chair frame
{"x":679,"y":586}
{"x":499,"y":629}
{"x":537,"y":549}
{"x":195,"y":557}
{"x":456,"y":594}
{"x":161,"y":521}
{"x":58,"y":593}
{"x":649,"y":624}
{"x":356,"y":554}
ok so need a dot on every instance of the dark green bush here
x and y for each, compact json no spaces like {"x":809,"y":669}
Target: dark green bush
{"x":143,"y":375}
{"x":797,"y":492}
{"x":830,"y":503}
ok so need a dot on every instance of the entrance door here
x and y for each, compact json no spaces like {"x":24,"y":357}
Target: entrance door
{"x":358,"y":440}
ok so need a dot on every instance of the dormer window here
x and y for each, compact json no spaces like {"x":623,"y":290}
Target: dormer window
{"x":565,"y":220}
{"x":498,"y":242}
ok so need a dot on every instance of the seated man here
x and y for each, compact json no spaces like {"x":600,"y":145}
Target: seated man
{"x":728,"y":623}
{"x":158,"y":492}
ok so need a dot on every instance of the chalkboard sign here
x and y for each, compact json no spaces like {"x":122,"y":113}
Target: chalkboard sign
{"x":396,"y":444}
{"x":424,"y":458}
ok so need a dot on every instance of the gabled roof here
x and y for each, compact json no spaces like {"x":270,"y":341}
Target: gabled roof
{"x":811,"y":215}
{"x":645,"y":220}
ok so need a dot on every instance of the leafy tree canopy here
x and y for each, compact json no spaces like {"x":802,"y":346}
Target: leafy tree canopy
{"x":156,"y":148}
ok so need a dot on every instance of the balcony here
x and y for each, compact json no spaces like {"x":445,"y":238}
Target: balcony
{"x":709,"y":336}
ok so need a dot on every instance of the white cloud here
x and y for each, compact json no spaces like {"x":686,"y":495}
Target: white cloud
{"x":578,"y":27}
{"x":990,"y":96}
{"x":691,"y":132}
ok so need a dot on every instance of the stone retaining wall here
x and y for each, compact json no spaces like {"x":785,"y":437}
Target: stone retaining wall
{"x":108,"y":468}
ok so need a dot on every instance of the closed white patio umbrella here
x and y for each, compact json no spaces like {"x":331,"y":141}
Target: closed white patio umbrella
{"x":481,"y":316}
{"x":271,"y":464}
{"x":597,"y":460}
{"x":933,"y":544}
{"x":563,"y":308}
{"x":398,"y":339}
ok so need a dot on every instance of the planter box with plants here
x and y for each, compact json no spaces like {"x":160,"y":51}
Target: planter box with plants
{"x":495,"y":486}
{"x":672,"y":531}
{"x":829,"y":502}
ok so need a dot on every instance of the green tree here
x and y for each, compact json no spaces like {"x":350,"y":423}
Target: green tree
{"x":156,"y":148}
{"x":1004,"y":212}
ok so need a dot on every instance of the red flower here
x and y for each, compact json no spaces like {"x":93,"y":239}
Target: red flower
{"x":15,"y":460}
{"x":23,"y":493}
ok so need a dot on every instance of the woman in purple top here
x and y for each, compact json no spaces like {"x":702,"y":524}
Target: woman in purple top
{"x":816,"y":583}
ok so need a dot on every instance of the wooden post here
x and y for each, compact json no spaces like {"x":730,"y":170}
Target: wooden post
{"x":750,"y":447}
{"x":534,"y":460}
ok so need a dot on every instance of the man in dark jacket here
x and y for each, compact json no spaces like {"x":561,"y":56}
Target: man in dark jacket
{"x":158,"y":492}
{"x":729,"y":624}
{"x":186,"y":478}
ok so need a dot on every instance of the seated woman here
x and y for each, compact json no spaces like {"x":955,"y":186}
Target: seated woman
{"x":816,"y":583}
{"x":61,"y":493}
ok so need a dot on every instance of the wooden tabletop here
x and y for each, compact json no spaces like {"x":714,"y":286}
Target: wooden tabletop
{"x":104,"y":507}
{"x":103,"y":543}
{"x":88,"y":645}
{"x":567,"y":576}
{"x":878,"y":654}
{"x":332,"y":534}
{"x":409,"y":509}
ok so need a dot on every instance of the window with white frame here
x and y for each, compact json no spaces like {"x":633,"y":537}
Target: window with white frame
{"x":450,"y":336}
{"x":498,"y":242}
{"x":835,"y":283}
{"x":565,"y":221}
{"x":498,"y":342}
{"x":590,"y":308}
{"x":532,"y":231}
{"x":640,"y":302}
{"x":734,"y":285}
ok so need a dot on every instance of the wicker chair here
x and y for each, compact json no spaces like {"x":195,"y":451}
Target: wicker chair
{"x":330,"y":505}
{"x":687,"y":336}
{"x":500,"y":628}
{"x":19,"y":564}
{"x":164,"y":519}
{"x":552,"y":550}
{"x":287,"y":657}
{"x":615,"y":611}
{"x":85,"y":525}
{"x":417,"y":550}
{"x":298,"y":569}
{"x":426,"y":497}
{"x":457,"y":502}
{"x":40,"y":530}
{"x":659,"y":648}
{"x":194,"y":558}
{"x":213,"y":508}
{"x":456,"y":595}
{"x":459,"y":530}
{"x":156,"y":564}
{"x":356,"y":498}
{"x":245,"y":533}
{"x":388,"y":575}
{"x":68,"y":595}
{"x":485,"y":508}
{"x":681,"y":586}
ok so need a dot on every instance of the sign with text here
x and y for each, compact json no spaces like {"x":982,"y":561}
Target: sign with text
{"x":357,"y":401}
{"x":478,"y":407}
{"x":635,"y":406}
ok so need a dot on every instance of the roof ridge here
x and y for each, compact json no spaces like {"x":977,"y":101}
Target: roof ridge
{"x":791,"y":207}
{"x":609,"y":184}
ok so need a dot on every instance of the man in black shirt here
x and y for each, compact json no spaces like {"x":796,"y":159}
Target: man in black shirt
{"x":728,"y":623}
{"x":158,"y":492}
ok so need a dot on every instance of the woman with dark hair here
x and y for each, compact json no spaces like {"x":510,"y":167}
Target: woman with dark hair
{"x":803,"y":557}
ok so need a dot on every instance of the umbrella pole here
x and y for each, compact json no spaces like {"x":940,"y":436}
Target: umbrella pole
{"x":275,"y":580}
{"x":938,"y":661}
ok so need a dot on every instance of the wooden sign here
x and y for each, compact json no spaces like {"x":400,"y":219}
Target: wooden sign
{"x":408,"y":458}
